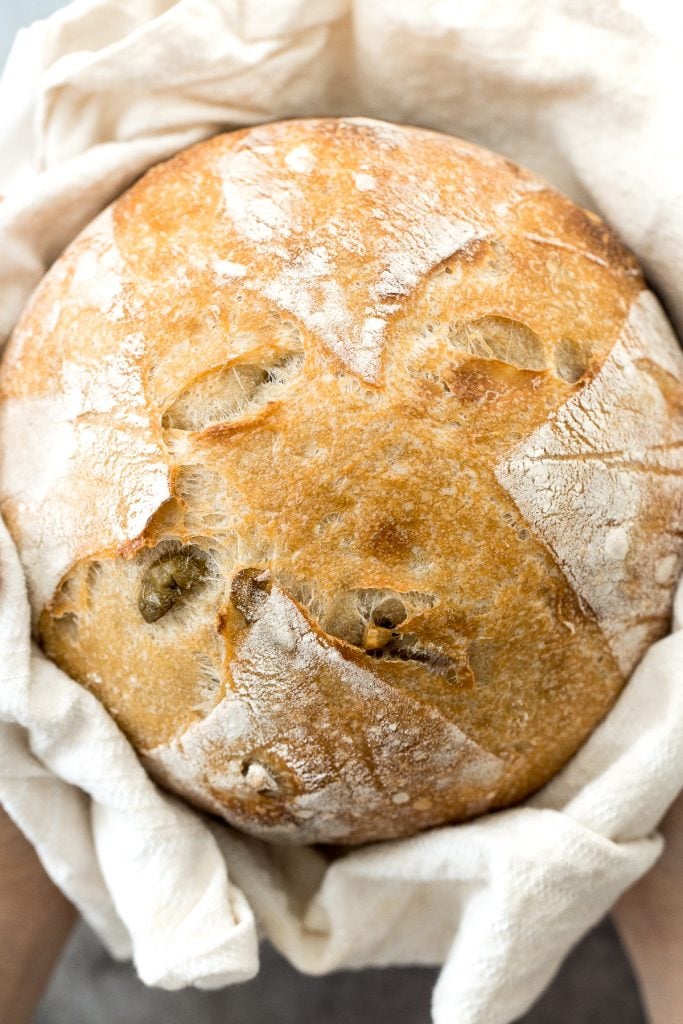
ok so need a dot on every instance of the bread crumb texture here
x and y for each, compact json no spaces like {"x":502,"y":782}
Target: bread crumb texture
{"x":344,"y":460}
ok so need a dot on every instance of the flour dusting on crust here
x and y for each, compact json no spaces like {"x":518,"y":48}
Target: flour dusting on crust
{"x":397,"y":235}
{"x":97,"y":274}
{"x":98,"y":464}
{"x":126,"y":481}
{"x":584,"y":480}
{"x":280,"y":703}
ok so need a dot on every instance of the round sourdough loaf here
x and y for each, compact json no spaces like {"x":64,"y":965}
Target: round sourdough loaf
{"x":345,"y":463}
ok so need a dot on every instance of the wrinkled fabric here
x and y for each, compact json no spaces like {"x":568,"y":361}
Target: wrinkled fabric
{"x":585,"y":95}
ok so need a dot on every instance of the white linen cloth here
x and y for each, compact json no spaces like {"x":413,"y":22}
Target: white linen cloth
{"x":586,"y":94}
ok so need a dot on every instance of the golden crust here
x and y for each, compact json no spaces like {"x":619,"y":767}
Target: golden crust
{"x":318,"y":355}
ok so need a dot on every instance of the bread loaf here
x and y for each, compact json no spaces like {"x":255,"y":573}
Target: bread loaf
{"x":344,"y":460}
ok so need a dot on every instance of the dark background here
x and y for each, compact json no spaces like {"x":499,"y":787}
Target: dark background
{"x":595,"y":985}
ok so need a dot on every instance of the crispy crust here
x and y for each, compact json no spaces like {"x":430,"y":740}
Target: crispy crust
{"x":353,"y":363}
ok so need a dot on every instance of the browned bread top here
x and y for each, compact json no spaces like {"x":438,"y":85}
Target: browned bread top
{"x":345,"y":463}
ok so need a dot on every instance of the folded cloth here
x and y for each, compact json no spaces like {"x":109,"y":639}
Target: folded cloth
{"x":585,"y":94}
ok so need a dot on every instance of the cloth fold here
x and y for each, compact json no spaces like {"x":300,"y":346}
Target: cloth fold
{"x":581,"y":93}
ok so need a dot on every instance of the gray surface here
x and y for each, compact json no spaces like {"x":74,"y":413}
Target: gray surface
{"x":595,"y":985}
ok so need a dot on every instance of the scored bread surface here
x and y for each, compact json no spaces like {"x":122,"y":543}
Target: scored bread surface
{"x":344,"y":460}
